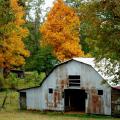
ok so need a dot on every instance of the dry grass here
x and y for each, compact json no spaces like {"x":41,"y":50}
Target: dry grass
{"x":32,"y":115}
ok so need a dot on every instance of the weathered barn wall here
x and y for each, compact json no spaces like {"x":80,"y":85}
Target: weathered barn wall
{"x":90,"y":81}
{"x":34,"y":99}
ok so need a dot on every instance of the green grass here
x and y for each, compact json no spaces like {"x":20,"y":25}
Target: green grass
{"x":12,"y":112}
{"x":11,"y":102}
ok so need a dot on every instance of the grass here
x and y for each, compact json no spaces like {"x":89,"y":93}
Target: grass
{"x":12,"y":112}
{"x":32,"y":115}
{"x":11,"y":102}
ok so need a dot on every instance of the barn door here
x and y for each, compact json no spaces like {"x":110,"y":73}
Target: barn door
{"x":96,"y":99}
{"x":75,"y":100}
{"x":23,"y":105}
{"x":115,"y":102}
{"x":96,"y":104}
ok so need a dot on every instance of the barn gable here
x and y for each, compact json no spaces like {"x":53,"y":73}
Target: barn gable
{"x":73,"y":67}
{"x":68,"y":64}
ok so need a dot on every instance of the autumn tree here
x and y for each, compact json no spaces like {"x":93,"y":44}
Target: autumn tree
{"x":77,"y":5}
{"x":12,"y":33}
{"x":61,"y":31}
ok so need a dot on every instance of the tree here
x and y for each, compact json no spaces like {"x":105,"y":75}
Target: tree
{"x":12,"y":33}
{"x":76,"y":5}
{"x":41,"y":59}
{"x":104,"y":41}
{"x":101,"y":24}
{"x":33,"y":24}
{"x":61,"y":31}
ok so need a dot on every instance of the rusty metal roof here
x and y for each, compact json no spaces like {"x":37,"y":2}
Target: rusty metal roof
{"x":116,"y":87}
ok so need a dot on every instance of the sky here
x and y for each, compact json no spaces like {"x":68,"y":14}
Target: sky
{"x":48,"y":3}
{"x":45,"y":8}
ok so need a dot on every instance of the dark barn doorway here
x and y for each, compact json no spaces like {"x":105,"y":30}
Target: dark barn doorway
{"x":75,"y":100}
{"x":23,"y":105}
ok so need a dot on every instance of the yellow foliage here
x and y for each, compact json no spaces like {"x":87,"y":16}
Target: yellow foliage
{"x":13,"y":49}
{"x":61,"y":31}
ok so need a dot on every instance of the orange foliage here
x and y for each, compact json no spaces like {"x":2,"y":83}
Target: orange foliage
{"x":13,"y":49}
{"x":61,"y":31}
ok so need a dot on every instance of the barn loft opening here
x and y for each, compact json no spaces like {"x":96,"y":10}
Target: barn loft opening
{"x":74,"y":80}
{"x":75,"y":100}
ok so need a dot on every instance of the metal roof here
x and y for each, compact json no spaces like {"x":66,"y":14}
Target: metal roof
{"x":116,"y":87}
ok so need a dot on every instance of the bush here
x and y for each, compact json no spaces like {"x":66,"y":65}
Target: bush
{"x":12,"y":81}
{"x":34,"y":77}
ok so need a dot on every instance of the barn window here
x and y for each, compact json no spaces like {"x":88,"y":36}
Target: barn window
{"x":74,"y":80}
{"x":100,"y":92}
{"x":50,"y":90}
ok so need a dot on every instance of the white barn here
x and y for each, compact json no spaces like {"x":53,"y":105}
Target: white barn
{"x":71,"y":86}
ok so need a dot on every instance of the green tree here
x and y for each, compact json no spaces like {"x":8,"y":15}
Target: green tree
{"x":40,"y":58}
{"x":76,"y":4}
{"x":42,"y":61}
{"x":100,"y":21}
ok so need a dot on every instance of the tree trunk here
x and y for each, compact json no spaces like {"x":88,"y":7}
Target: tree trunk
{"x":4,"y":101}
{"x":6,"y":72}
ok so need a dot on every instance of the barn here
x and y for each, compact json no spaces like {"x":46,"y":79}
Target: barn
{"x":74,"y":85}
